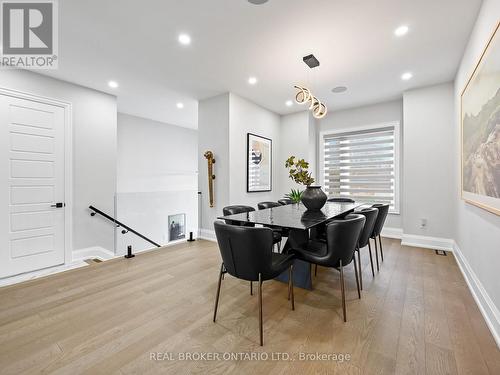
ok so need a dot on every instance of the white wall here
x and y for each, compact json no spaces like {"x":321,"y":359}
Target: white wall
{"x":154,"y":156}
{"x":224,"y":122}
{"x":361,"y":116}
{"x":477,"y":232}
{"x":157,"y":176}
{"x":94,"y":151}
{"x":247,"y":117}
{"x":313,"y":158}
{"x":213,"y":135}
{"x":298,"y":137}
{"x":294,"y":130}
{"x":428,"y":161}
{"x":371,"y":115}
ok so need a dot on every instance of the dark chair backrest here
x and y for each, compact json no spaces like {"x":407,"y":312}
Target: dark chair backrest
{"x":370,"y":215}
{"x":340,"y":200}
{"x":264,"y":205}
{"x":383,"y":210}
{"x":342,"y":238}
{"x":237,"y":209}
{"x":245,"y":251}
{"x":285,"y":201}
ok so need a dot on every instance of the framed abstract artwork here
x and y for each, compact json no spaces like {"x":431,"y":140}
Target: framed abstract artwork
{"x":480,"y":130}
{"x":259,"y":163}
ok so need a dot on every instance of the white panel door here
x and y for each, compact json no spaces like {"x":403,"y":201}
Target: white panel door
{"x":31,"y":185}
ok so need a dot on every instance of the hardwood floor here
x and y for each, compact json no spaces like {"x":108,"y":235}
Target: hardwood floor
{"x":416,"y":317}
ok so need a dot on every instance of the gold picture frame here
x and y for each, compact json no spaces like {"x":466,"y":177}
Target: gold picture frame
{"x":479,"y":189}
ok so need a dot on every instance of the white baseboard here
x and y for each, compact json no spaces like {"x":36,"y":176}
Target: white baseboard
{"x":207,"y":234}
{"x":490,"y":312}
{"x":415,"y":240}
{"x":170,"y":244}
{"x":396,"y":233}
{"x":40,"y":273}
{"x":94,"y":252}
{"x":435,"y":243}
{"x":79,"y":257}
{"x":488,"y":309}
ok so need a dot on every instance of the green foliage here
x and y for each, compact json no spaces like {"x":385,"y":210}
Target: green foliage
{"x":298,"y":171}
{"x":295,"y":195}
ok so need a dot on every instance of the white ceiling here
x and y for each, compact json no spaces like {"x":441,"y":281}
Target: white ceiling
{"x":135,"y":43}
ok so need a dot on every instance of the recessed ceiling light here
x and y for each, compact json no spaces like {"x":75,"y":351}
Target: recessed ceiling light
{"x":180,"y":105}
{"x":184,"y":39}
{"x":113,"y":84}
{"x":401,"y":30}
{"x":406,"y":76}
{"x":257,"y":2}
{"x":289,"y":103}
{"x":252,"y":80}
{"x":339,"y":89}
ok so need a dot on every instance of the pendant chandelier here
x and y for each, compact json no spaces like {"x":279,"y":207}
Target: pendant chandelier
{"x":305,"y":96}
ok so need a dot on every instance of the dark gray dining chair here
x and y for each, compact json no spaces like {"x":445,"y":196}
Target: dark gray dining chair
{"x":340,"y":200}
{"x":240,"y":209}
{"x":342,"y":237}
{"x":370,"y":215}
{"x":383,"y":210}
{"x":237,"y":209}
{"x":264,"y":205}
{"x":247,"y":255}
{"x":278,"y":232}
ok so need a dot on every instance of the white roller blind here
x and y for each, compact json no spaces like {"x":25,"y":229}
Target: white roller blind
{"x":361,"y":165}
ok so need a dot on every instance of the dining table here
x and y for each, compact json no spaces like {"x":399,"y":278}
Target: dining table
{"x":298,"y":222}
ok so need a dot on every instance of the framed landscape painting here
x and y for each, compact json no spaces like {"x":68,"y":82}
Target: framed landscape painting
{"x":259,"y":163}
{"x":480,"y":112}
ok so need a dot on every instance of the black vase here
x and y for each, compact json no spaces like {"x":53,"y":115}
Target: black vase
{"x":314,"y":198}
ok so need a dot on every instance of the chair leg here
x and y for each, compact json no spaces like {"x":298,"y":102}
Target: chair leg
{"x":260,"y":312}
{"x":290,"y":286}
{"x":342,"y":288}
{"x":376,"y":254}
{"x":371,"y":258}
{"x":381,"y":250}
{"x":310,"y":274}
{"x":251,"y":288}
{"x":315,"y":270}
{"x":356,"y":273}
{"x":279,"y":247}
{"x":221,"y":274}
{"x":360,"y":271}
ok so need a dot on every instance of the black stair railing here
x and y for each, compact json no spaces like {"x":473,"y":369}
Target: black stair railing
{"x":120,"y":224}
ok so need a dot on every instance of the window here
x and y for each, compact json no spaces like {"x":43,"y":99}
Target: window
{"x":363,"y":164}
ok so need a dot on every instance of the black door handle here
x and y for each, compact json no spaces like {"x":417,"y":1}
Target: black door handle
{"x":58,"y":205}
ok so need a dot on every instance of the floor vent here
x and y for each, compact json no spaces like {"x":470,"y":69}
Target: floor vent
{"x":441,"y":252}
{"x":93,"y":260}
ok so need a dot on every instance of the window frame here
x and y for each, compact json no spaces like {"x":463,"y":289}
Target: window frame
{"x":372,"y":127}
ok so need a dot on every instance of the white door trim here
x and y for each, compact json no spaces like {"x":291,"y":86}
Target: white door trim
{"x":68,"y":160}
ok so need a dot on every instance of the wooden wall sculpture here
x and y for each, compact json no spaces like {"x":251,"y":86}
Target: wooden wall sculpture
{"x":211,"y":176}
